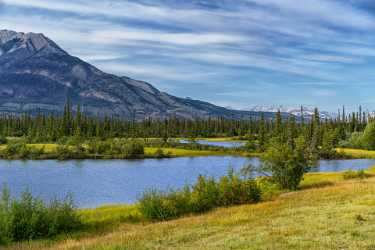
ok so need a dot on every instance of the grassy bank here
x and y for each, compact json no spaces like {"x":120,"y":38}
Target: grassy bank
{"x":223,"y":139}
{"x":49,"y":151}
{"x":327,"y":213}
{"x":357,"y":153}
{"x":175,"y":152}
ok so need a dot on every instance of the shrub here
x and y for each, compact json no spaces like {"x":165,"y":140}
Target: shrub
{"x":133,"y":150}
{"x":354,"y":141}
{"x":350,"y":174}
{"x":156,"y":205}
{"x":3,"y":140}
{"x":64,"y":152}
{"x":29,"y":218}
{"x":287,"y":163}
{"x":16,"y":150}
{"x":159,"y":153}
{"x":368,"y":137}
{"x":97,"y":147}
{"x":205,"y":195}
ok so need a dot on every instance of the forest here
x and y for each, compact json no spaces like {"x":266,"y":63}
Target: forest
{"x":77,"y":135}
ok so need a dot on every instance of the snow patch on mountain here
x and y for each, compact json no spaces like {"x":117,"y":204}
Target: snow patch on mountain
{"x":306,"y":111}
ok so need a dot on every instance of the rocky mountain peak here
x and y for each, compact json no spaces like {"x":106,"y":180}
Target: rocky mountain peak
{"x":11,"y":41}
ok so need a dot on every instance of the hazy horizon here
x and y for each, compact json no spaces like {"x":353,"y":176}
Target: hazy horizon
{"x":231,"y":53}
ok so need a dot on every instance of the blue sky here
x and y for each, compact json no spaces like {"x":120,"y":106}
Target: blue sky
{"x":236,"y":53}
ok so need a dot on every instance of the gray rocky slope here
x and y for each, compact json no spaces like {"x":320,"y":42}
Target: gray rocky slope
{"x":37,"y":75}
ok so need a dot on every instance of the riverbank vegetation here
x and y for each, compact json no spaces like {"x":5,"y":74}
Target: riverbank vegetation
{"x":205,"y":195}
{"x":111,"y":149}
{"x":80,"y":136}
{"x":283,"y":221}
{"x":29,"y":218}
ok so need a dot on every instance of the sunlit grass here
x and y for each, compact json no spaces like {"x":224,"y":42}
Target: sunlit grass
{"x":357,"y":153}
{"x":111,"y":214}
{"x":176,"y":152}
{"x":150,"y":152}
{"x":48,"y":148}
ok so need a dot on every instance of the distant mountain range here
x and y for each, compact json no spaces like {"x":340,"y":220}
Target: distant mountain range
{"x":296,"y":111}
{"x":36,"y":75}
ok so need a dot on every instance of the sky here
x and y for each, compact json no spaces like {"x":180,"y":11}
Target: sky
{"x":233,"y":53}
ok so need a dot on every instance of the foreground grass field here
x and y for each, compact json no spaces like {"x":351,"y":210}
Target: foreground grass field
{"x":328,"y":213}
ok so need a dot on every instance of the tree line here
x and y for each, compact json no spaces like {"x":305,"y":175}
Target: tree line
{"x":73,"y":122}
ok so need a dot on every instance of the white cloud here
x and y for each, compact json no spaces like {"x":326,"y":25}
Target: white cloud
{"x":324,"y":93}
{"x":152,"y":71}
{"x":334,"y":12}
{"x":124,"y":35}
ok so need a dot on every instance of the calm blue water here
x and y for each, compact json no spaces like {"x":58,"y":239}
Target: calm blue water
{"x":225,"y":144}
{"x":342,"y":165}
{"x":98,"y":182}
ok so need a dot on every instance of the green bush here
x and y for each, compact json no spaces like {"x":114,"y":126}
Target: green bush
{"x":16,"y":150}
{"x":156,"y":205}
{"x":133,"y":150}
{"x":368,"y":137}
{"x":29,"y":218}
{"x":350,"y":174}
{"x":287,"y":162}
{"x":64,"y":152}
{"x":354,"y":141}
{"x":3,"y":140}
{"x":205,"y":195}
{"x":159,"y":154}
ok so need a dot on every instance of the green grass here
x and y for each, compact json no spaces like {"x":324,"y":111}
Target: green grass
{"x":102,"y":218}
{"x":50,"y":149}
{"x":357,"y":153}
{"x":175,"y":152}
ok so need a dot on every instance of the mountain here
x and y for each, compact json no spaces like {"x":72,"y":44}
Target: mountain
{"x":36,"y":75}
{"x":296,"y":111}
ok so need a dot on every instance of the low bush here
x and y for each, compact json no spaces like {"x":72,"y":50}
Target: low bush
{"x":350,"y":174}
{"x":20,"y":150}
{"x":29,"y":218}
{"x":160,"y":154}
{"x":157,"y":205}
{"x":133,"y":150}
{"x":3,"y":140}
{"x":64,"y":152}
{"x":205,"y":195}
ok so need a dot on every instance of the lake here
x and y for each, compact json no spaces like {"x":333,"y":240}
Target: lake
{"x":98,"y":182}
{"x":225,"y":144}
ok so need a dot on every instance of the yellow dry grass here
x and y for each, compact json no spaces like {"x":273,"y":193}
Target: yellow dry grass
{"x":175,"y":152}
{"x":357,"y":153}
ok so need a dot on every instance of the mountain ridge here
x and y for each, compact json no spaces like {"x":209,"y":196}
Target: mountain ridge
{"x":37,"y":75}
